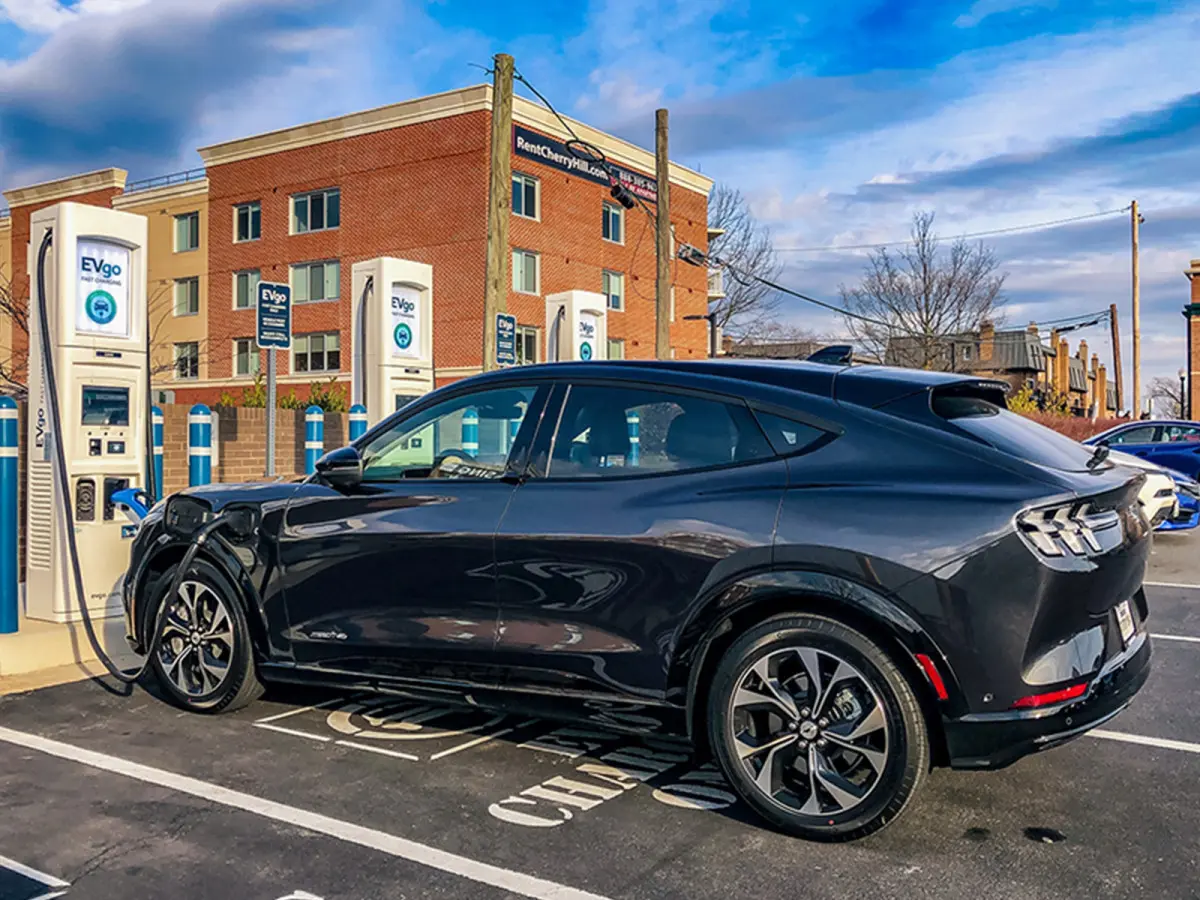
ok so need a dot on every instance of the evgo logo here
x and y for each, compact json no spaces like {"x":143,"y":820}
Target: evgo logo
{"x":402,"y":336}
{"x":100,"y":267}
{"x":100,"y":306}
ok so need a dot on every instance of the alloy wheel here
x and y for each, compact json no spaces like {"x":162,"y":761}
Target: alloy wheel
{"x":197,"y":640}
{"x":809,"y":730}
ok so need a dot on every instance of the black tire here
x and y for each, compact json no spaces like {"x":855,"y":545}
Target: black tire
{"x":879,"y":693}
{"x":239,"y":685}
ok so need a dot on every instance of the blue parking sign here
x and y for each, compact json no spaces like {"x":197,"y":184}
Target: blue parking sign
{"x":274,"y":328}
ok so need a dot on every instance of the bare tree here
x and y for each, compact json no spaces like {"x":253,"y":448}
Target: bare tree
{"x":919,"y":298}
{"x":16,"y":316}
{"x":1167,"y":394}
{"x":746,"y":246}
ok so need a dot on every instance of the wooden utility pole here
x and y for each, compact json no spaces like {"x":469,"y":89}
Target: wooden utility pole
{"x":1136,"y":220}
{"x":1115,"y":323}
{"x":662,"y":244}
{"x":495,"y":298}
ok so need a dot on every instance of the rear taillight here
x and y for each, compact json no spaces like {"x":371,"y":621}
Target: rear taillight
{"x":1034,"y":701}
{"x":1071,"y":530}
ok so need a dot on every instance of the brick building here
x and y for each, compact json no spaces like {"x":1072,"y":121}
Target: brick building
{"x":1192,"y":313}
{"x":408,"y":180}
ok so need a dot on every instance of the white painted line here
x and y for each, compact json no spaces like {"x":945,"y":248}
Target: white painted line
{"x":1176,"y":637}
{"x":380,"y":750}
{"x":1162,"y":743}
{"x":402,"y":848}
{"x":33,"y":874}
{"x":469,"y":744}
{"x":304,"y":734}
{"x":1171,"y":584}
{"x":295,"y":712}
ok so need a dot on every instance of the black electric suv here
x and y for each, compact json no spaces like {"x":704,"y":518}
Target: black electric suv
{"x":831,"y":577}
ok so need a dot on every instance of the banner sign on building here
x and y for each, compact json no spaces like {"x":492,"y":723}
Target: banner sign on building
{"x":551,"y":152}
{"x":103,"y":296}
{"x":405,"y":320}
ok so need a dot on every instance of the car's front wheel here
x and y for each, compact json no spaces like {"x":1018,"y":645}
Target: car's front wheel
{"x":204,"y":659}
{"x":816,"y":728}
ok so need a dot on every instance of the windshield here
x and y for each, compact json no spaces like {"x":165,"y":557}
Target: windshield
{"x":1011,"y":433}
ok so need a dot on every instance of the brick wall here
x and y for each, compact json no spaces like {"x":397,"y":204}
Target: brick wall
{"x":1192,"y":312}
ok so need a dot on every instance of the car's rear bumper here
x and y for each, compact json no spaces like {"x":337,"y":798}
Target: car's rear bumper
{"x":995,"y":740}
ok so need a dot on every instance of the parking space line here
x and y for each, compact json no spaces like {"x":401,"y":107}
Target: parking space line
{"x":1171,"y":584}
{"x":304,"y":734}
{"x":402,"y":848}
{"x":1162,"y":743}
{"x":295,"y":712}
{"x":480,"y":740}
{"x":1176,"y":637}
{"x":34,"y":875}
{"x":382,"y":751}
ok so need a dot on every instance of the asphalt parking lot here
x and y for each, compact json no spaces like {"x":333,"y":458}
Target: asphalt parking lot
{"x":309,"y":795}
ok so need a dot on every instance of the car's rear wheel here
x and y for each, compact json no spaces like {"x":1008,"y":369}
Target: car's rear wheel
{"x":816,"y":728}
{"x":204,"y":660}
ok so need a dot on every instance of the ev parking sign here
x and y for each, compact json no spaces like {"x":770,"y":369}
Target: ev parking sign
{"x":274,"y":329}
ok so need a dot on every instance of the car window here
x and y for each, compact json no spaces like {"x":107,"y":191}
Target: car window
{"x":788,"y":436}
{"x":1143,"y":434}
{"x":1011,"y":433}
{"x":1180,"y":433}
{"x":605,"y":432}
{"x":469,"y":436}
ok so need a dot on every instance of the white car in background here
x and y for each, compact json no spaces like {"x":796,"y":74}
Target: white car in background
{"x":1157,"y":495}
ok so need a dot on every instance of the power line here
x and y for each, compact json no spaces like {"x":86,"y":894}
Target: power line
{"x":976,"y":234}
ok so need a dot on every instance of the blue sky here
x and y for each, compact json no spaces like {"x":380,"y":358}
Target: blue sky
{"x":837,"y":120}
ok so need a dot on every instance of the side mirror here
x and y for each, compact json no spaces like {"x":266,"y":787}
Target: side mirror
{"x":341,"y":468}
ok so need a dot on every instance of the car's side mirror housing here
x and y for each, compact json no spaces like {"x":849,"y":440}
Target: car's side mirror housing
{"x":341,"y":468}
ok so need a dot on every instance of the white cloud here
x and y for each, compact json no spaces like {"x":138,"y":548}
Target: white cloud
{"x":45,"y":16}
{"x":982,"y":9}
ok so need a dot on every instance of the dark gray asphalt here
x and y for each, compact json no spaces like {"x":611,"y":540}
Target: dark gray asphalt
{"x":1094,"y":818}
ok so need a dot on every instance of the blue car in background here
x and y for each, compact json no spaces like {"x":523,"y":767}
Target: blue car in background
{"x":1188,"y":515}
{"x":1170,"y":443}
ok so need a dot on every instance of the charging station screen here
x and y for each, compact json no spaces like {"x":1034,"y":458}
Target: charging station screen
{"x":105,"y":406}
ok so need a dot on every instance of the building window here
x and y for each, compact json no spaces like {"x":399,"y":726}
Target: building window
{"x":614,"y":223}
{"x":245,"y":357}
{"x":612,"y":286}
{"x":187,"y":296}
{"x":966,"y":352}
{"x":525,"y":271}
{"x":616,"y":348}
{"x":316,"y":281}
{"x":317,"y":352}
{"x":527,"y":345}
{"x":318,"y":211}
{"x":247,"y":222}
{"x":187,"y":232}
{"x":187,"y":360}
{"x":245,"y":289}
{"x":526,"y":196}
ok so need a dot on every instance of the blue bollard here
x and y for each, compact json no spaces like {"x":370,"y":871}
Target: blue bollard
{"x":8,"y":516}
{"x":156,"y":439}
{"x":314,"y":437}
{"x":470,"y":431}
{"x":358,"y":421}
{"x":199,"y":445}
{"x":634,"y":422}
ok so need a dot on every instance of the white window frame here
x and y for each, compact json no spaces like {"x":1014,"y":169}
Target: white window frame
{"x":252,"y":356}
{"x":672,"y":303}
{"x":189,"y":216}
{"x":537,"y":271}
{"x":525,"y":178}
{"x":307,"y":338}
{"x":180,"y":282}
{"x":620,"y":342}
{"x":620,"y":212}
{"x":249,"y":207}
{"x":524,"y":332}
{"x":252,"y":293}
{"x":307,"y":196}
{"x":608,"y":275}
{"x":307,"y":266}
{"x":178,"y":356}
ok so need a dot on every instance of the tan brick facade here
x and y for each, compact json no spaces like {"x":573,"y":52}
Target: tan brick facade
{"x":1192,"y":313}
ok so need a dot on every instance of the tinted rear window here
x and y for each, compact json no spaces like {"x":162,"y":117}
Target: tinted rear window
{"x":1011,"y":433}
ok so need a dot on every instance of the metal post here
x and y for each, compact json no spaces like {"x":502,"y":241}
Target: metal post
{"x":9,"y":600}
{"x":634,"y":423}
{"x":662,"y":241}
{"x":270,"y":467}
{"x":156,"y":441}
{"x":358,"y":421}
{"x":470,"y":431}
{"x":199,"y":445}
{"x":314,"y":437}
